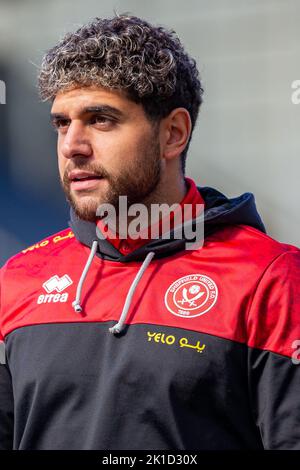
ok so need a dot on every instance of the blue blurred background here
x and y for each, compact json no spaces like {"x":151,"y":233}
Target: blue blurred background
{"x":247,"y":137}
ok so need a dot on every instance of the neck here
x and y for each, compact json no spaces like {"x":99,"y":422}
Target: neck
{"x":168,"y":192}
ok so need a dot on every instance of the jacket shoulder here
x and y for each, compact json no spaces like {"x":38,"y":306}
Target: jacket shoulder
{"x":44,"y":247}
{"x":264,"y":241}
{"x":253,"y":243}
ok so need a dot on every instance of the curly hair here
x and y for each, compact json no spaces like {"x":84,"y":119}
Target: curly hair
{"x":147,"y":63}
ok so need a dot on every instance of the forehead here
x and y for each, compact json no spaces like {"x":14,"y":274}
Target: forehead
{"x":75,"y":100}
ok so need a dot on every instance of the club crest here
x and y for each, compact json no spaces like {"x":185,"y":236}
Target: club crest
{"x":191,"y":296}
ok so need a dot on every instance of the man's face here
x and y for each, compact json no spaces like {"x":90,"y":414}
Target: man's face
{"x":107,"y":147}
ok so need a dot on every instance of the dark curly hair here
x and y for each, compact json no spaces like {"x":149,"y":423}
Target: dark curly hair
{"x":126,"y":53}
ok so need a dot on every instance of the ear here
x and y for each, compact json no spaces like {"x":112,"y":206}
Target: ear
{"x":176,"y":132}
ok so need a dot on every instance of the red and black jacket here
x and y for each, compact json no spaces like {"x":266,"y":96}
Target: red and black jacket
{"x":208,"y":358}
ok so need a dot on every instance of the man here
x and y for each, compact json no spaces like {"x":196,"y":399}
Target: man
{"x":144,"y":342}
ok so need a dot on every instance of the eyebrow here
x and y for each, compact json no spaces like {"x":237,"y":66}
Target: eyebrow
{"x":92,"y":109}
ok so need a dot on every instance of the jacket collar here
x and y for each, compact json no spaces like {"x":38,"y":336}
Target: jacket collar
{"x":219,"y":212}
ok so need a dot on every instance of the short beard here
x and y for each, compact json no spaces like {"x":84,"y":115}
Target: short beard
{"x":137,"y":182}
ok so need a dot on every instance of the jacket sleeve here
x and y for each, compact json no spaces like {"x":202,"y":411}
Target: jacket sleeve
{"x":6,"y":394}
{"x":274,"y":353}
{"x":6,"y":404}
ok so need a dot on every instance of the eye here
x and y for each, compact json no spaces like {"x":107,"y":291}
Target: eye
{"x":60,"y":123}
{"x":103,"y":122}
{"x":101,"y":119}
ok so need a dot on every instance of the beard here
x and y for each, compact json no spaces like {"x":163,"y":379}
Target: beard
{"x":137,"y":180}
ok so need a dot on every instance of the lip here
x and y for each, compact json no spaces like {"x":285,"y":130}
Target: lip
{"x":85,"y":184}
{"x":75,"y":174}
{"x":80,"y":185}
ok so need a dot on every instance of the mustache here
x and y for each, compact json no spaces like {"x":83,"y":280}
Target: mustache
{"x":97,"y":170}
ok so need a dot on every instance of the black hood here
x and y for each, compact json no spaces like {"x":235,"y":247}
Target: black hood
{"x":220,"y":211}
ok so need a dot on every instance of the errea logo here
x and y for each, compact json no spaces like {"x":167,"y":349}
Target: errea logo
{"x":55,"y":284}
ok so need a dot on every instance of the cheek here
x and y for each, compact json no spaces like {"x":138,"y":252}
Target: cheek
{"x":61,"y":165}
{"x":115,"y":151}
{"x":60,"y":159}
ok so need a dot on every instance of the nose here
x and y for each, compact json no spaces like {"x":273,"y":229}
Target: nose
{"x":75,"y":142}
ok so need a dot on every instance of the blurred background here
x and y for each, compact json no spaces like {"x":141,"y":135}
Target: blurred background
{"x":247,"y":137}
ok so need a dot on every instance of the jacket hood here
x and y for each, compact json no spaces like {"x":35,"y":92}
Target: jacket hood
{"x":220,"y":211}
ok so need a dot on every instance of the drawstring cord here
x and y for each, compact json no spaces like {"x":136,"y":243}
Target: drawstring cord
{"x":76,"y":304}
{"x":118,"y":327}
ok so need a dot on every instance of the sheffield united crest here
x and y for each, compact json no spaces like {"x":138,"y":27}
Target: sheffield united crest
{"x":191,"y":296}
